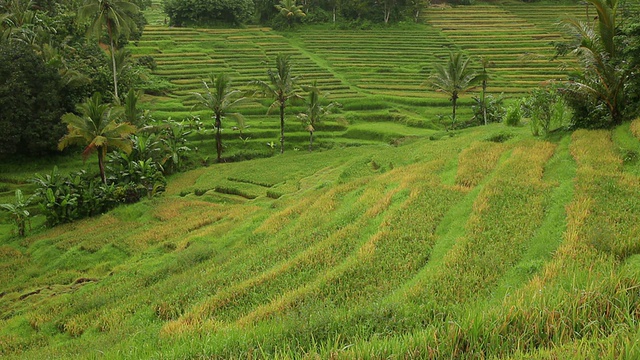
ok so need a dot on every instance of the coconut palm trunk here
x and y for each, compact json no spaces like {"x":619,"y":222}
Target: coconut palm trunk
{"x":219,"y":135}
{"x":454,"y":100}
{"x":101,"y":153}
{"x":113,"y":62}
{"x":484,"y":101}
{"x":282,"y":107}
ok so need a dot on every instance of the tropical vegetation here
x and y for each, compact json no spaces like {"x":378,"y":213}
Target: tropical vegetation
{"x":454,"y":79}
{"x":98,"y":127}
{"x":281,"y":87}
{"x":222,"y":99}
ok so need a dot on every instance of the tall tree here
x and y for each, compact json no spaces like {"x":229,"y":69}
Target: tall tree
{"x":114,"y":15}
{"x":454,"y":79}
{"x":222,"y":99}
{"x":281,"y":87}
{"x":98,"y":128}
{"x":32,"y":99}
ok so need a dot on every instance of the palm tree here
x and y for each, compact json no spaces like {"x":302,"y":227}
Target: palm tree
{"x":454,"y":79}
{"x":290,"y":11}
{"x":221,"y":100}
{"x":114,"y":15}
{"x":603,"y":79}
{"x":98,"y":128}
{"x":315,"y":111}
{"x":281,"y":87}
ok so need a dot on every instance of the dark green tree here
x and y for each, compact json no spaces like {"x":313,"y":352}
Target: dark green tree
{"x":315,"y":111}
{"x":32,"y":99}
{"x":454,"y":79}
{"x":220,"y":98}
{"x":98,"y":128}
{"x":114,"y":16}
{"x":281,"y":87}
{"x":203,"y":12}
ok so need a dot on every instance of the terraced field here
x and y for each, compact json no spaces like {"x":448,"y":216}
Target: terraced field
{"x":515,"y":42}
{"x":396,"y":241}
{"x":458,"y":248}
{"x":378,"y":75}
{"x":381,"y":62}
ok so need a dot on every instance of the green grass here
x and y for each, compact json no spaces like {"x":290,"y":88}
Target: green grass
{"x":364,"y":253}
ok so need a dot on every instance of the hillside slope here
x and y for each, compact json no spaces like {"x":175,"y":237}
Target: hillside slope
{"x":461,"y":247}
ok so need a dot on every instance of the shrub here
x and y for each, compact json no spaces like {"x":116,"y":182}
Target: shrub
{"x":514,"y":114}
{"x":147,"y":61}
{"x":273,"y":194}
{"x":18,"y":212}
{"x":546,"y":109}
{"x":500,"y":137}
{"x":495,"y":109}
{"x":199,"y":192}
{"x":63,"y":199}
{"x":67,"y":198}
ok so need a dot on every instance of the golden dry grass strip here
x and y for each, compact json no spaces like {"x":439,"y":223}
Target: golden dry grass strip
{"x":477,"y":161}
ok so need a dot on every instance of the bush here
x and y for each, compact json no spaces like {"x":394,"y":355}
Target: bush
{"x":18,"y":212}
{"x":495,"y":109}
{"x":147,"y":61}
{"x":67,"y":198}
{"x":514,"y":114}
{"x":63,"y":199}
{"x":208,"y":12}
{"x":546,"y":110}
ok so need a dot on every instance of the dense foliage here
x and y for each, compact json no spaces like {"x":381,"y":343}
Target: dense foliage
{"x":629,"y":39}
{"x":32,"y":99}
{"x":217,"y":12}
{"x":599,"y":93}
{"x":48,"y":66}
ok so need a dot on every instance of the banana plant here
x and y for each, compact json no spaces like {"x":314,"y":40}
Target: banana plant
{"x":18,"y":212}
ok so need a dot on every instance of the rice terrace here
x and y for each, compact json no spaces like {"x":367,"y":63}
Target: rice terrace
{"x":365,"y":179}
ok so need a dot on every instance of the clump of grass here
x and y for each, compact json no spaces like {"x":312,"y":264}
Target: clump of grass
{"x":233,"y":191}
{"x":200,"y":192}
{"x":500,"y":137}
{"x":477,"y":161}
{"x":635,"y":128}
{"x":274,"y":194}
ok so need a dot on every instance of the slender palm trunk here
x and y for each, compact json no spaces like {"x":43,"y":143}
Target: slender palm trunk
{"x":310,"y":141}
{"x":282,"y":107}
{"x":484,"y":101}
{"x":218,"y":136}
{"x":103,"y":176}
{"x":113,"y":62}
{"x":454,"y":100}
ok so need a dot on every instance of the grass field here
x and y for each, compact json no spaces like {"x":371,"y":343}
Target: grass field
{"x":459,"y":247}
{"x":395,"y":240}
